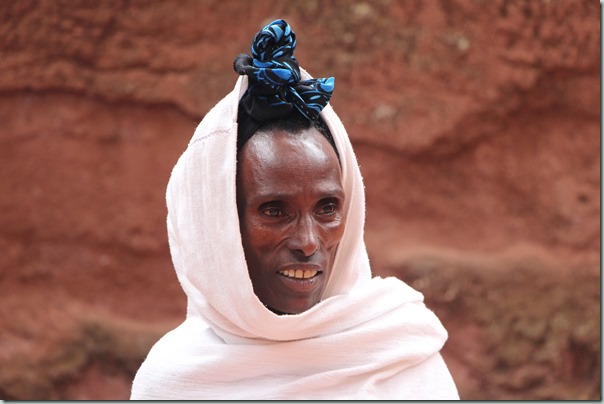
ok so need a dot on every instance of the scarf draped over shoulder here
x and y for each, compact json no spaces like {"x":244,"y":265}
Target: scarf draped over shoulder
{"x":368,"y":338}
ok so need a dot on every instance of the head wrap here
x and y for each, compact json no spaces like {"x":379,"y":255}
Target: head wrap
{"x":275,"y":86}
{"x":368,"y":338}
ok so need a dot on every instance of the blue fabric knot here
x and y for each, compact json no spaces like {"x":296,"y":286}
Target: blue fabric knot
{"x":274,"y":77}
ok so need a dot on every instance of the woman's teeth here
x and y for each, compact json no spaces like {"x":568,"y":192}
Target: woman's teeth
{"x":298,"y":273}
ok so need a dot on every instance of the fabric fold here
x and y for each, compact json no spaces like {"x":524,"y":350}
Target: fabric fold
{"x":368,"y":338}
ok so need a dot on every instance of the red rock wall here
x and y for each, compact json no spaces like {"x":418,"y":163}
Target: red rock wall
{"x":476,"y":124}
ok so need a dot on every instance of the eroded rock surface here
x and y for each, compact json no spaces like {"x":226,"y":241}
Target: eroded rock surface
{"x":476,"y":125}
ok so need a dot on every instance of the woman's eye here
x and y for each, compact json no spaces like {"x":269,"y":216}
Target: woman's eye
{"x":272,"y":212}
{"x":328,"y":209}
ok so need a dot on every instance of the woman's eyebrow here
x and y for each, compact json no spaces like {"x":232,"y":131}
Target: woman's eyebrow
{"x":271,"y":196}
{"x":280,"y":196}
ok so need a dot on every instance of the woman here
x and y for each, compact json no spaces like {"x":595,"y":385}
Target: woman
{"x":265,"y":221}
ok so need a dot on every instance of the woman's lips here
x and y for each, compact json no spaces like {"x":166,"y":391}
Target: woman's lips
{"x":300,"y":279}
{"x":299,"y":273}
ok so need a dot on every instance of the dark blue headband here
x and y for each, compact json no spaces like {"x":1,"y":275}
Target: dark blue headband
{"x":274,"y":78}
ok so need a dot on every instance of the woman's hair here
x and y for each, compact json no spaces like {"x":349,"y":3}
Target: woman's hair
{"x":292,"y":123}
{"x":276,"y":97}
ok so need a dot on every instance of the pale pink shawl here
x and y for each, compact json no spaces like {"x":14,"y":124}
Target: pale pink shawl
{"x":369,"y":338}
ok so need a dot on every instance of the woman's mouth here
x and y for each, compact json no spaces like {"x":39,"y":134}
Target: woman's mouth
{"x":299,"y":273}
{"x":299,"y":279}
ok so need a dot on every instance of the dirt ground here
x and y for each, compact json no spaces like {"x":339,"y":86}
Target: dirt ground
{"x":476,"y":124}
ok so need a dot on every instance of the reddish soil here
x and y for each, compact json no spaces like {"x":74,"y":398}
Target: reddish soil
{"x":476,"y":125}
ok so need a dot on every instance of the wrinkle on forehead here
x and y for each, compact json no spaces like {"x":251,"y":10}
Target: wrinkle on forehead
{"x":279,"y":163}
{"x":300,"y":149}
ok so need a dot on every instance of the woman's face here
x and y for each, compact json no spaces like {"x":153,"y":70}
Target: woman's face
{"x":290,"y":201}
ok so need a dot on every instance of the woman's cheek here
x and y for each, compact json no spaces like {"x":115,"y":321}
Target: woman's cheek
{"x":267,"y":237}
{"x":334,"y":232}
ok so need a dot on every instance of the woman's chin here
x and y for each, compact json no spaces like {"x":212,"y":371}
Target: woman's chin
{"x":293,"y":306}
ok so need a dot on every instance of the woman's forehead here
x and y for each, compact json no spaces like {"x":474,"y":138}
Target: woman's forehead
{"x":279,"y":149}
{"x":279,"y":161}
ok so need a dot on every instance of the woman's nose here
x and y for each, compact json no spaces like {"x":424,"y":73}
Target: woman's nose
{"x":305,"y":237}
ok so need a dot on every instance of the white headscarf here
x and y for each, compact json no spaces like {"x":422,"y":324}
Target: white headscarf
{"x":366,"y":339}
